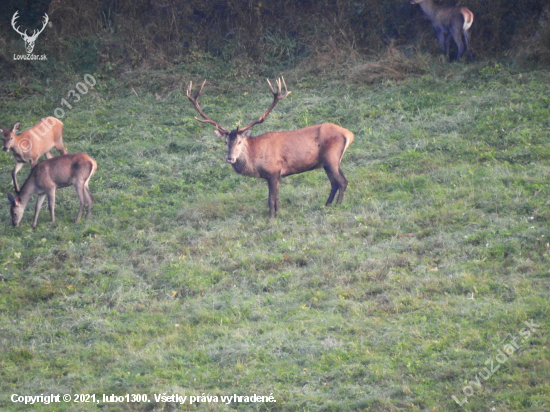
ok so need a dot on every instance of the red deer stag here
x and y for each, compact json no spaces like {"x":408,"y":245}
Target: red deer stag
{"x":449,"y":21}
{"x":33,"y":143}
{"x":73,"y":169}
{"x":273,"y":155}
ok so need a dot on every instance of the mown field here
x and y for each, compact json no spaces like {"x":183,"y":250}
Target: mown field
{"x":180,"y":283}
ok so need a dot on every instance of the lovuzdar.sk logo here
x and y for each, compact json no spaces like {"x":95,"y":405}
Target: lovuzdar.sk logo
{"x":29,"y":40}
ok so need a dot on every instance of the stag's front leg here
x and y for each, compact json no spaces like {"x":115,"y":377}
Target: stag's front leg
{"x":273,"y":201}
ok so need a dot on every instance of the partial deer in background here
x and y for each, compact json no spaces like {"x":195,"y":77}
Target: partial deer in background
{"x":273,"y":155}
{"x":73,"y":169}
{"x":33,"y":143}
{"x":450,"y":21}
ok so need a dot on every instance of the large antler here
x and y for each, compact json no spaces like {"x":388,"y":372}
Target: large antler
{"x":277,"y":96}
{"x":196,"y":104}
{"x":35,"y":33}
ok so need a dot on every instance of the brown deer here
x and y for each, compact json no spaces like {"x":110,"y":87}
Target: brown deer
{"x":273,"y":155}
{"x":33,"y":143}
{"x":449,"y":21}
{"x":73,"y":169}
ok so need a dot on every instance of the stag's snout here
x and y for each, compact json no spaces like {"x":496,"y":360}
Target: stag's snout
{"x":6,"y":149}
{"x":230,"y":160}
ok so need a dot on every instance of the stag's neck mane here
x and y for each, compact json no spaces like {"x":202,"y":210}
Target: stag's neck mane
{"x":243,"y":165}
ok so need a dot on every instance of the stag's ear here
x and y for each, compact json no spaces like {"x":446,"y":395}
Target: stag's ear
{"x":247,"y":133}
{"x":16,"y":127}
{"x":220,"y":134}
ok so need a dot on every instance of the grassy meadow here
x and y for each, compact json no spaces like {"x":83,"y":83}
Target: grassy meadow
{"x":181,"y":284}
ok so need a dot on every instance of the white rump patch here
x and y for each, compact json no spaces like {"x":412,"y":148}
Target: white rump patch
{"x":468,"y":18}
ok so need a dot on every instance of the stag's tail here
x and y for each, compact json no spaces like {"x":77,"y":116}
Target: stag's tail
{"x":348,"y":136}
{"x":94,"y":168}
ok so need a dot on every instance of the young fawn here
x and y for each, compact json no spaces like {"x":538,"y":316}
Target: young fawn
{"x":73,"y":169}
{"x":33,"y":143}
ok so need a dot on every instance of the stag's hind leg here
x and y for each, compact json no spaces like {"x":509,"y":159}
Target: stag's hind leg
{"x":338,"y":182}
{"x":466,"y":34}
{"x":456,"y":32}
{"x":343,"y":185}
{"x":334,"y":151}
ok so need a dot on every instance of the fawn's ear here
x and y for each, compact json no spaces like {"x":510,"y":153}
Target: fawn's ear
{"x":14,"y":201}
{"x":16,"y":127}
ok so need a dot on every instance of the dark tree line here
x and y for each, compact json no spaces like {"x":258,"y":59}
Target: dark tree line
{"x":268,"y":32}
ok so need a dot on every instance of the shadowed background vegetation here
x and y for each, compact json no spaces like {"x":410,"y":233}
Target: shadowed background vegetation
{"x":256,"y":37}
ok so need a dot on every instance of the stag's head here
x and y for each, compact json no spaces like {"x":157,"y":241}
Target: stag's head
{"x":8,"y":137}
{"x":234,"y":138}
{"x":29,"y":40}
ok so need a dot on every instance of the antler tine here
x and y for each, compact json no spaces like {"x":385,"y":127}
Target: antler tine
{"x":277,"y":96}
{"x":271,"y":87}
{"x":191,"y":88}
{"x":278,"y":82}
{"x":193,"y":100}
{"x":286,"y":90}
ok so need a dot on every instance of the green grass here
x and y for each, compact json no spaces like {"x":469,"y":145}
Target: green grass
{"x":393,"y":301}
